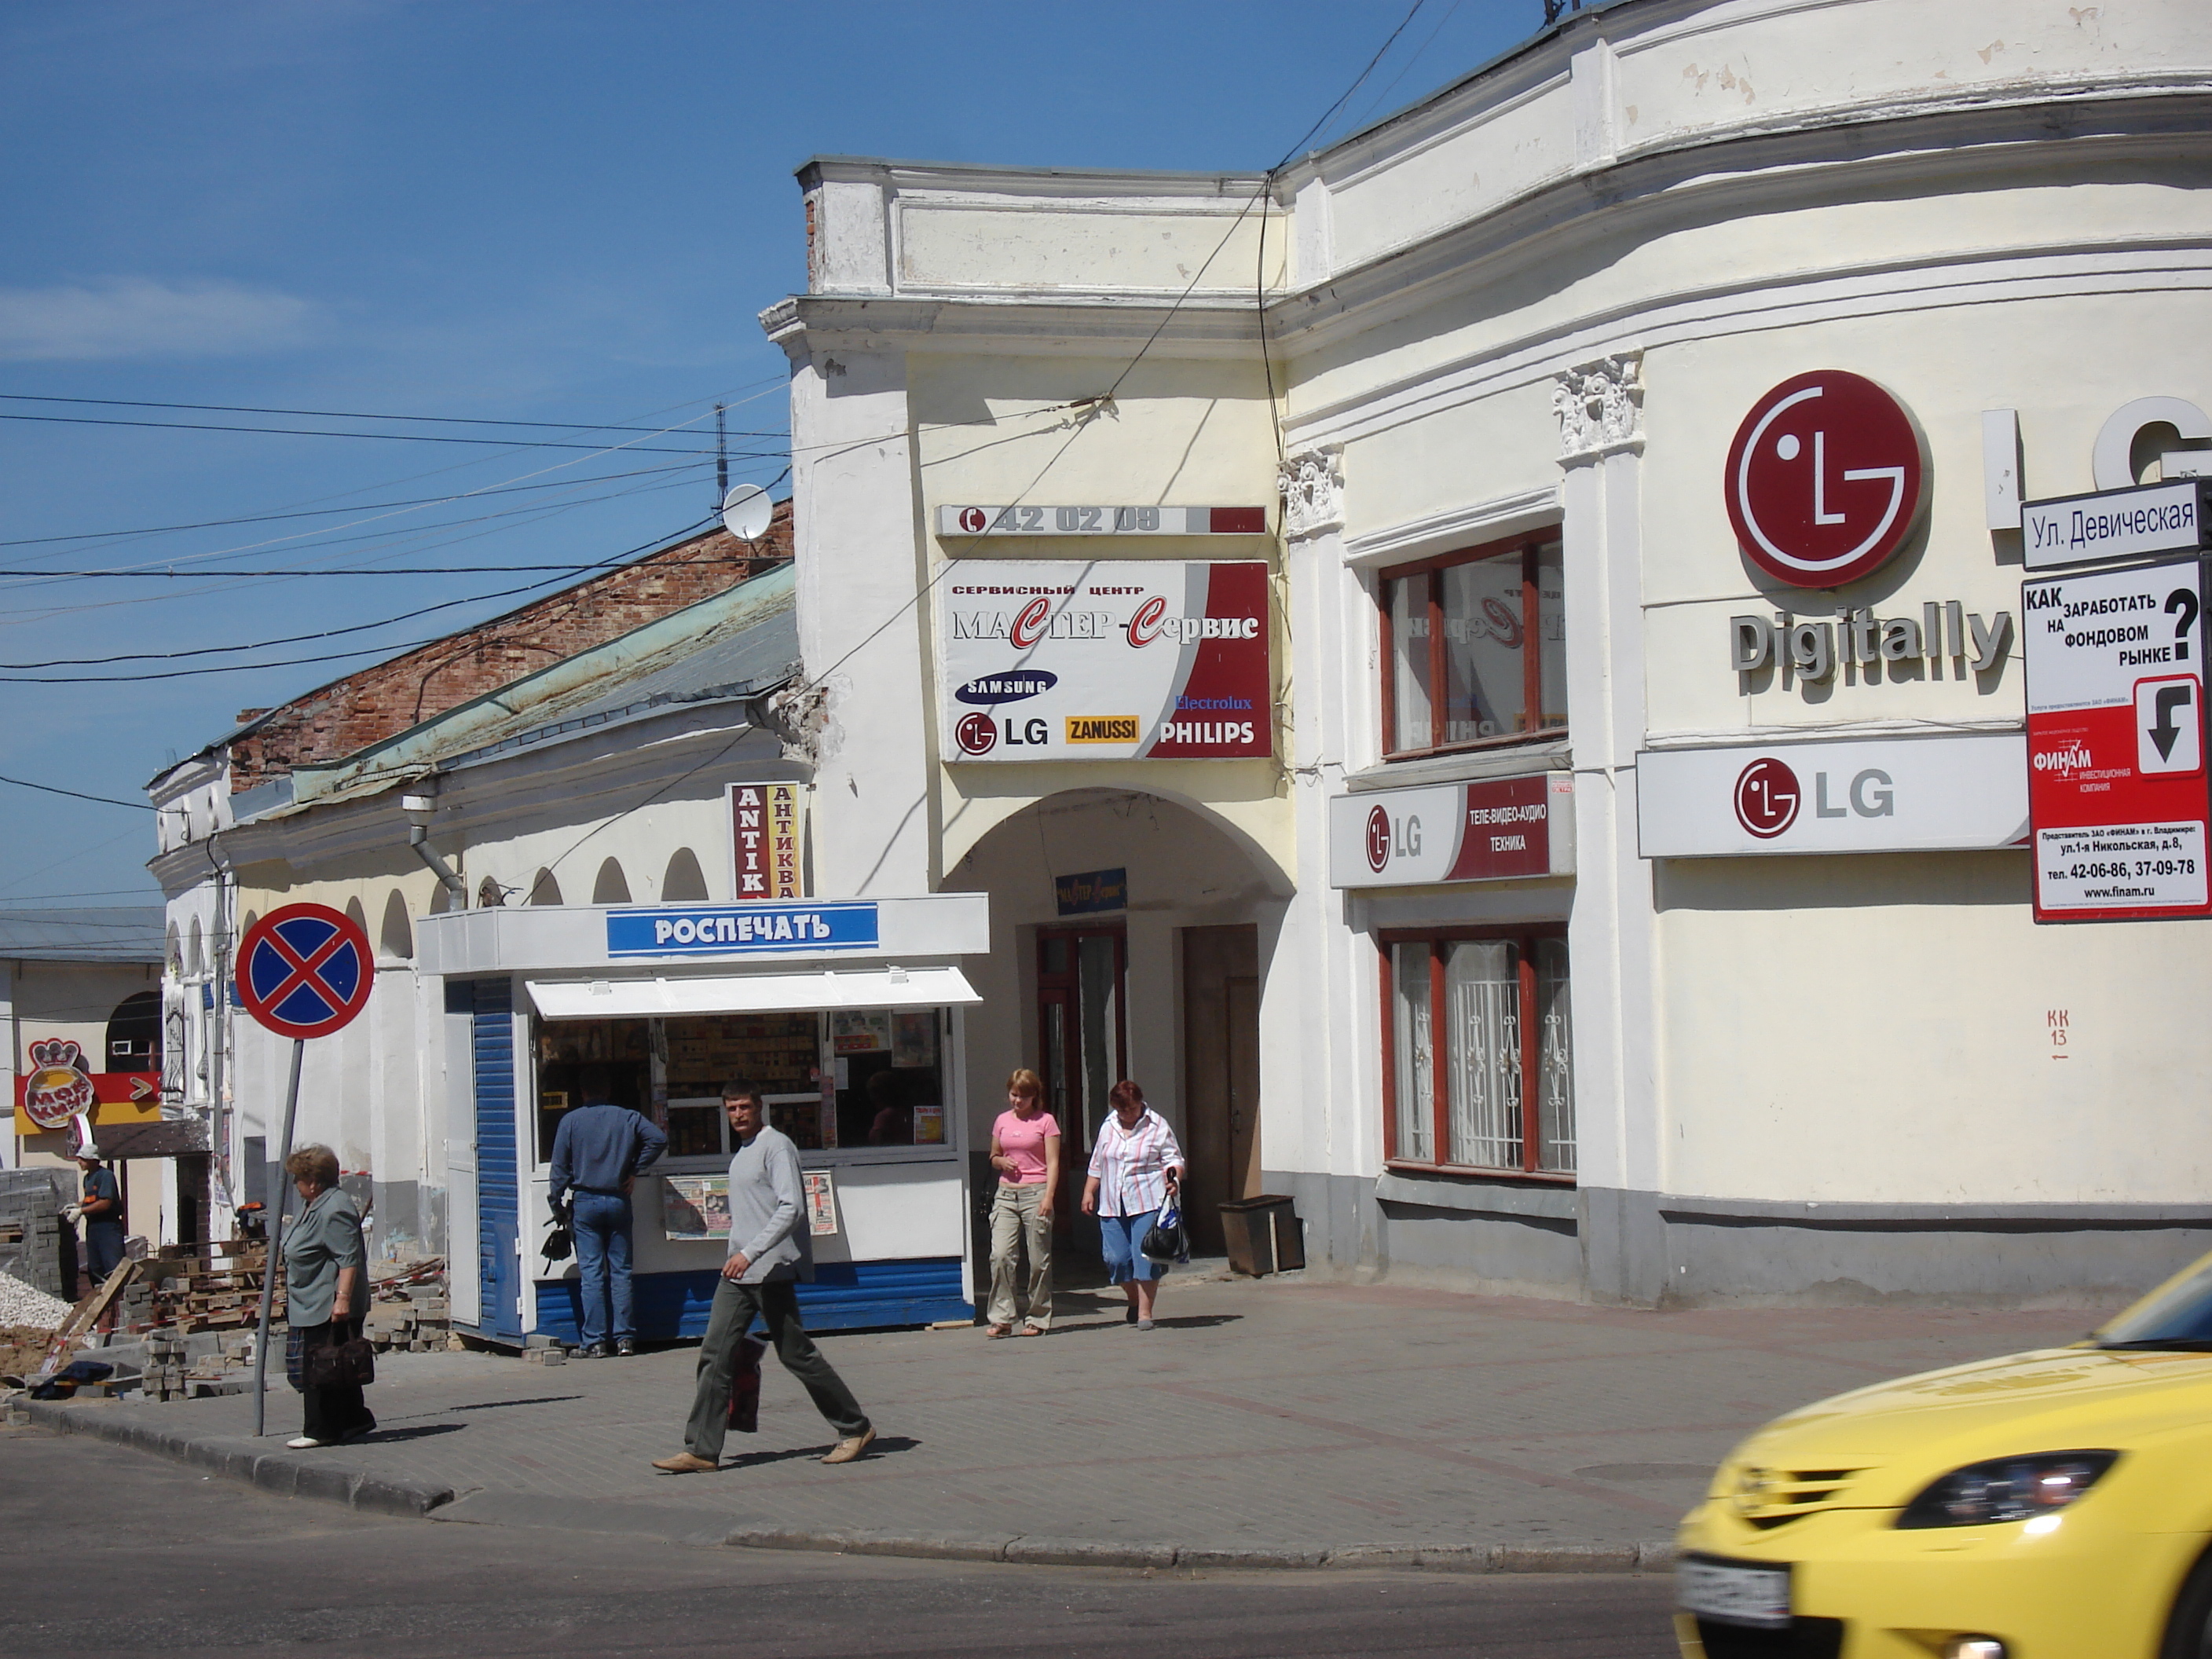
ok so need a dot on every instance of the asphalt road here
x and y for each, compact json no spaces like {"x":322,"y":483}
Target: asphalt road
{"x":119,"y":1553}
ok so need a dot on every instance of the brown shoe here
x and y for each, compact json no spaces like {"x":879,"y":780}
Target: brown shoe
{"x":846,"y":1450}
{"x":686,"y":1463}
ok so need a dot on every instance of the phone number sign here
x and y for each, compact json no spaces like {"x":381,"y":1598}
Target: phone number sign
{"x":2116,"y":787}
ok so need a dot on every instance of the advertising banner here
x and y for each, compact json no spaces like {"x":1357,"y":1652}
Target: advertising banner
{"x":720,"y":930}
{"x":1494,"y":830}
{"x":2115,"y":778}
{"x":1105,"y":660}
{"x":1871,"y":795}
{"x":764,"y":841}
{"x":58,"y":1087}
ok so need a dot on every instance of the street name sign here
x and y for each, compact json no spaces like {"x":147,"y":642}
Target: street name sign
{"x":2116,"y":523}
{"x":2115,"y":781}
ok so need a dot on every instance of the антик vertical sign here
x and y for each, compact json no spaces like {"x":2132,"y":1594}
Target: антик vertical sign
{"x":764,"y":841}
{"x":2117,"y":788}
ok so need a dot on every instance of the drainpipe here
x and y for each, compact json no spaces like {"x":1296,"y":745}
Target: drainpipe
{"x":419,"y":808}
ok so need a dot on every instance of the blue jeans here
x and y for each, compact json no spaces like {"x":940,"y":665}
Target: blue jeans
{"x":601,"y":1224}
{"x":1122,"y":1238}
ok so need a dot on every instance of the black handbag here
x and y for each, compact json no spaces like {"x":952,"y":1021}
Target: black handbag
{"x":349,"y":1364}
{"x":1167,"y":1240}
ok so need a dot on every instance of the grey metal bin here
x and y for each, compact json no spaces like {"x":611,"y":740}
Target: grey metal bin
{"x":1263,"y":1234}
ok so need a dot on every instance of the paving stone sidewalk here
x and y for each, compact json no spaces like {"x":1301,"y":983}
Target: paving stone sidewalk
{"x":1275,"y":1421}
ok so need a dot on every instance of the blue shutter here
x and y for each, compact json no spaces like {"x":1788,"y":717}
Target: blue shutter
{"x":499,"y":1204}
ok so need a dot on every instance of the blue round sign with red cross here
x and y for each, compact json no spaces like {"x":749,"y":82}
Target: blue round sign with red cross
{"x":305,"y":970}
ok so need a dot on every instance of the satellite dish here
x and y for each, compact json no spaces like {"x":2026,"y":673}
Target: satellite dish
{"x":746,"y":511}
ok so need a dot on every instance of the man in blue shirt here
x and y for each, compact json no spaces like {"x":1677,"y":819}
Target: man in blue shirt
{"x":596,"y":1153}
{"x":102,"y":1210}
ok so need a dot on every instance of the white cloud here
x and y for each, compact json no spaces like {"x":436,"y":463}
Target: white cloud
{"x":138,"y":316}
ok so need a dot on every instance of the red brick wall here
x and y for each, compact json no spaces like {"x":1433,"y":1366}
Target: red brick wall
{"x":372,"y":703}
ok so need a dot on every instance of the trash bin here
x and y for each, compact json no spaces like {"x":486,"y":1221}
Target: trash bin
{"x":1264,"y":1235}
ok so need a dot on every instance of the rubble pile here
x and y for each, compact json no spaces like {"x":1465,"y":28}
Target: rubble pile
{"x":26,"y":1304}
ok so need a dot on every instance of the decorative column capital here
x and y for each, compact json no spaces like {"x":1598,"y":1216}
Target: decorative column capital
{"x":1311,"y":484}
{"x":1601,"y":407}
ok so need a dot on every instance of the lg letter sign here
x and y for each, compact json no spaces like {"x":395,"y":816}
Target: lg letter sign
{"x":1825,"y":479}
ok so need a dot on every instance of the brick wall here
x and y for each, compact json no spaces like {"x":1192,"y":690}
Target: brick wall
{"x":372,"y":703}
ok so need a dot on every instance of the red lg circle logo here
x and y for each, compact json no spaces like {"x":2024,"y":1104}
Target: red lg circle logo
{"x":1378,"y":840}
{"x":976,"y":733}
{"x":1825,"y":479}
{"x":1766,"y":797}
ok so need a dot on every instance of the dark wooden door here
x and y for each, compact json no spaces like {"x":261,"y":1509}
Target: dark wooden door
{"x":1221,"y":1073}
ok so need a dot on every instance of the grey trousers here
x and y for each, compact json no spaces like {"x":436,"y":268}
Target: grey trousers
{"x":777,"y":1302}
{"x":1015,"y":1222}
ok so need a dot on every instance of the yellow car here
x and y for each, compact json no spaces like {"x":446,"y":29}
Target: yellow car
{"x":2055,"y":1504}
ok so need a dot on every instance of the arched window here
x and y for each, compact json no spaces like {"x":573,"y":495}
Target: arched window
{"x":612,"y":887}
{"x":247,"y":926}
{"x":489,"y":894}
{"x":175,"y":953}
{"x":356,"y":915}
{"x":683,"y":883}
{"x":544,"y":889}
{"x":396,"y":938}
{"x":134,"y":1034}
{"x":441,"y":899}
{"x":196,"y":958}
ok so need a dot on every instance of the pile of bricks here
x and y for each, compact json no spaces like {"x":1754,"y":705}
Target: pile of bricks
{"x":31,"y":1228}
{"x":417,"y":1325}
{"x":164,"y":1376}
{"x":200,"y":1288}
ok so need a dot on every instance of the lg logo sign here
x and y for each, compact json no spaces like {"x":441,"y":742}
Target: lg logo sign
{"x":1385,"y":840}
{"x":1768,"y":797}
{"x":1826,"y":479}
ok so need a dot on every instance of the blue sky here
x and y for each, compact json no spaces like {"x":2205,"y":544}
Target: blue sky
{"x":556,"y":212}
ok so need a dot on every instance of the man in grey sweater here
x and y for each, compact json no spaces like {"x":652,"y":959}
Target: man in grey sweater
{"x":766,"y":1201}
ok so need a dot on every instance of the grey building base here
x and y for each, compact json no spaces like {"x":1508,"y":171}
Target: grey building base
{"x":1646,"y":1250}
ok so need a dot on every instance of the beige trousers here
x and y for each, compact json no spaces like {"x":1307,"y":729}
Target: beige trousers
{"x":1014,"y":1222}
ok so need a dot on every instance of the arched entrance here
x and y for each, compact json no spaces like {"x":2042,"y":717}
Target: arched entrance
{"x":1131,"y":937}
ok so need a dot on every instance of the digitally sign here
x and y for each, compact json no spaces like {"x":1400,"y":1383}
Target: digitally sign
{"x":1128,"y":659}
{"x":1825,"y":479}
{"x":2116,"y":785}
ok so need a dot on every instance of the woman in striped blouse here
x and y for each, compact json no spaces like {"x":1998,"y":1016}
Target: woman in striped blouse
{"x":1135,"y":1168}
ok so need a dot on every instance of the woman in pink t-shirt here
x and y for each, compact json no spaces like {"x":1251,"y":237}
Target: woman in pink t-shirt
{"x":1026,"y":1152}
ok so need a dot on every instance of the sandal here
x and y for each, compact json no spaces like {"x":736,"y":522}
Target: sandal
{"x":1032,"y":1330}
{"x":997,"y":1331}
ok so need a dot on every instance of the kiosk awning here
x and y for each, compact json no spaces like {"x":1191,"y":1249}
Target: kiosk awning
{"x":751,"y":993}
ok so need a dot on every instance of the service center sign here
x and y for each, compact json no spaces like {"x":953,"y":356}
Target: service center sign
{"x":1105,"y":660}
{"x":1494,"y":830}
{"x":2115,"y":778}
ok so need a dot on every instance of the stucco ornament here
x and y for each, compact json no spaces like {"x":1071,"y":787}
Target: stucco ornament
{"x":1601,"y":407}
{"x":1311,"y":484}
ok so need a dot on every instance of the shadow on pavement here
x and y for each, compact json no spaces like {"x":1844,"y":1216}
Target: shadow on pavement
{"x":501,"y":1404}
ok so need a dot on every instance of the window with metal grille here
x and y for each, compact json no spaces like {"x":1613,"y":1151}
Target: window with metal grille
{"x":1474,"y":649}
{"x":1478,"y":1052}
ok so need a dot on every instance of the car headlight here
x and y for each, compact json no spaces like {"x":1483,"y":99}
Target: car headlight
{"x":2007,"y":1489}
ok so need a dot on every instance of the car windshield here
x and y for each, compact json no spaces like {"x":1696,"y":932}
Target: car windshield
{"x":2178,"y":1316}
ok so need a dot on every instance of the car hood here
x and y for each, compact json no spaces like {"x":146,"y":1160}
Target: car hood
{"x":1894,"y":1436}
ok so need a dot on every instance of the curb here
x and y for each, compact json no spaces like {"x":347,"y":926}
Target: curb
{"x":1027,"y":1549}
{"x":291,"y":1474}
{"x":286,"y":1474}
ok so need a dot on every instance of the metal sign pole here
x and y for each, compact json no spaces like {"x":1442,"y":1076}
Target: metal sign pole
{"x":276,"y":1236}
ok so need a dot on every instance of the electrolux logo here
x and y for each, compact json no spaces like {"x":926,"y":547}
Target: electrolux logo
{"x":1208,"y":705}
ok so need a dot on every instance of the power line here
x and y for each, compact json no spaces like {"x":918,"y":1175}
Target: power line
{"x":314,"y":432}
{"x":76,"y":795}
{"x":347,"y":415}
{"x":358,"y":507}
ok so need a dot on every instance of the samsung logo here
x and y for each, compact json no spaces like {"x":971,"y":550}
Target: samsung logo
{"x":1011,"y":687}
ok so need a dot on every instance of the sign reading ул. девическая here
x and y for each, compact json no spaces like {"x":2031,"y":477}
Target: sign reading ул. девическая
{"x":2116,"y":782}
{"x":1119,"y":659}
{"x":742,"y":930}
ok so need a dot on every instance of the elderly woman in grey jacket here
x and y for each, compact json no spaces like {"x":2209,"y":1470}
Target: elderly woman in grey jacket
{"x":325,"y":1295}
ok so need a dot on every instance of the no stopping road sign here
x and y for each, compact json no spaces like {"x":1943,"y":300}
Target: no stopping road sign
{"x":305,"y":970}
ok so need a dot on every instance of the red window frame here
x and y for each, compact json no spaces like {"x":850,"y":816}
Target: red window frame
{"x":1532,"y":653}
{"x":1532,"y":1116}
